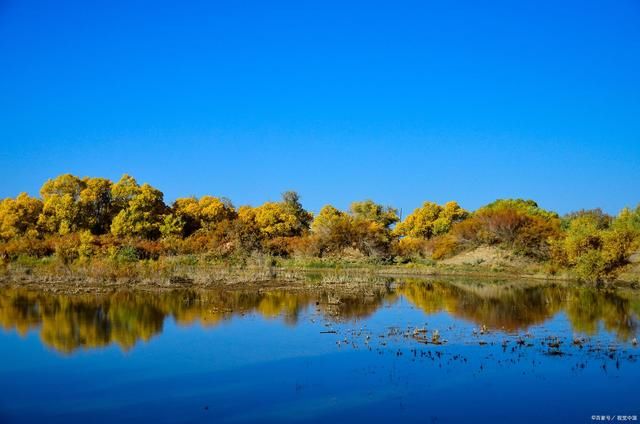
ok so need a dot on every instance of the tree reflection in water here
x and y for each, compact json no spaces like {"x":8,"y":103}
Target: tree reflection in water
{"x":70,"y":322}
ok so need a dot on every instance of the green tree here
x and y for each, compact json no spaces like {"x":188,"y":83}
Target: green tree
{"x":291,"y":201}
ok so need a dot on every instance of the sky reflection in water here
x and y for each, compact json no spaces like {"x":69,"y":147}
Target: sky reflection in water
{"x":511,"y":351}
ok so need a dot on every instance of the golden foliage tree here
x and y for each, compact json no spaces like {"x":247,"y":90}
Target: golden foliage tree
{"x":96,"y":206}
{"x":431,"y":220}
{"x":370,"y":211}
{"x":203,"y":213}
{"x":597,"y":249}
{"x":143,"y":209}
{"x":61,"y":210}
{"x":366,"y":229}
{"x":19,"y":216}
{"x":278,"y":219}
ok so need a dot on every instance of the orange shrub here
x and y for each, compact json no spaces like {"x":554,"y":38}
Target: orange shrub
{"x":445,"y":246}
{"x":524,"y":229}
{"x":408,"y":247}
{"x":35,"y":247}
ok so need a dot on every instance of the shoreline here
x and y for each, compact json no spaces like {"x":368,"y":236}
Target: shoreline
{"x":271,"y":277}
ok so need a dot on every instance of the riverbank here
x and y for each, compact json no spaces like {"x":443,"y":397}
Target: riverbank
{"x":182,"y":272}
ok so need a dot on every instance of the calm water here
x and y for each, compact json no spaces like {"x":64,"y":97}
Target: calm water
{"x":410,"y":351}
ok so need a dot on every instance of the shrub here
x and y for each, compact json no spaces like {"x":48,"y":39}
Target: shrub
{"x":411,"y":247}
{"x":125,"y":254}
{"x":595,"y":251}
{"x":67,"y":248}
{"x":445,"y":246}
{"x":517,"y":224}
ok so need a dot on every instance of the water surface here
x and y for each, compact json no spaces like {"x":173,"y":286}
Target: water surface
{"x":408,"y":351}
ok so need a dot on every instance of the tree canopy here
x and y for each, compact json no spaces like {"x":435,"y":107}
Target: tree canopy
{"x":78,"y":218}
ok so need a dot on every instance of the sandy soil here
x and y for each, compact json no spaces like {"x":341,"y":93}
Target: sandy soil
{"x":488,"y":256}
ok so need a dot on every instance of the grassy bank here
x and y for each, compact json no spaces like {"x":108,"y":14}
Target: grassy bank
{"x":199,"y":271}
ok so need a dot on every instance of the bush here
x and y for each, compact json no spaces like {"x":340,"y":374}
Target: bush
{"x":516,"y":224}
{"x":445,"y":246}
{"x":28,"y":246}
{"x":67,"y":248}
{"x":595,"y":251}
{"x":411,"y":247}
{"x":125,"y":254}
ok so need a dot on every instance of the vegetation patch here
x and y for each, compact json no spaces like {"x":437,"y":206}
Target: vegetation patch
{"x":115,"y":229}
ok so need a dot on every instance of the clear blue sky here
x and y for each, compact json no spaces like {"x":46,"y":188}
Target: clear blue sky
{"x":400,"y":102}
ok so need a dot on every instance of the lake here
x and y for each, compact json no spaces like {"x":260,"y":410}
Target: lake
{"x":424,"y":351}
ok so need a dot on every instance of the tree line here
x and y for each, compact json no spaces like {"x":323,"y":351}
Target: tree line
{"x":77,"y":219}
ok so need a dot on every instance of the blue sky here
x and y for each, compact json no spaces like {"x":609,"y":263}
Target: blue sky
{"x":399,"y":102}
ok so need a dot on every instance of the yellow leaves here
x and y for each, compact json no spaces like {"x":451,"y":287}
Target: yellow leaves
{"x":71,"y":203}
{"x":96,"y":204}
{"x":591,"y":242}
{"x":275,"y":220}
{"x":368,"y":210}
{"x":204,"y":213}
{"x":431,"y":220}
{"x":143,"y":212}
{"x":86,"y":247}
{"x":213,"y":209}
{"x":19,"y":216}
{"x":60,"y":214}
{"x":366,"y":229}
{"x":124,"y":191}
{"x":61,"y":210}
{"x":328,"y":218}
{"x":411,"y":246}
{"x":63,"y":185}
{"x":594,"y":250}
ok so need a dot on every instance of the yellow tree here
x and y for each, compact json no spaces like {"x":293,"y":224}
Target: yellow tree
{"x":370,"y":211}
{"x":278,"y":219}
{"x":61,"y":209}
{"x":597,"y":249}
{"x":327,"y":220}
{"x":19,"y":216}
{"x":371,"y":227}
{"x":366,"y":229}
{"x":143,"y":209}
{"x":124,"y":191}
{"x":204,"y":213}
{"x":275,"y":220}
{"x":431,"y":220}
{"x":332,"y":230}
{"x":96,"y":206}
{"x":291,"y":201}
